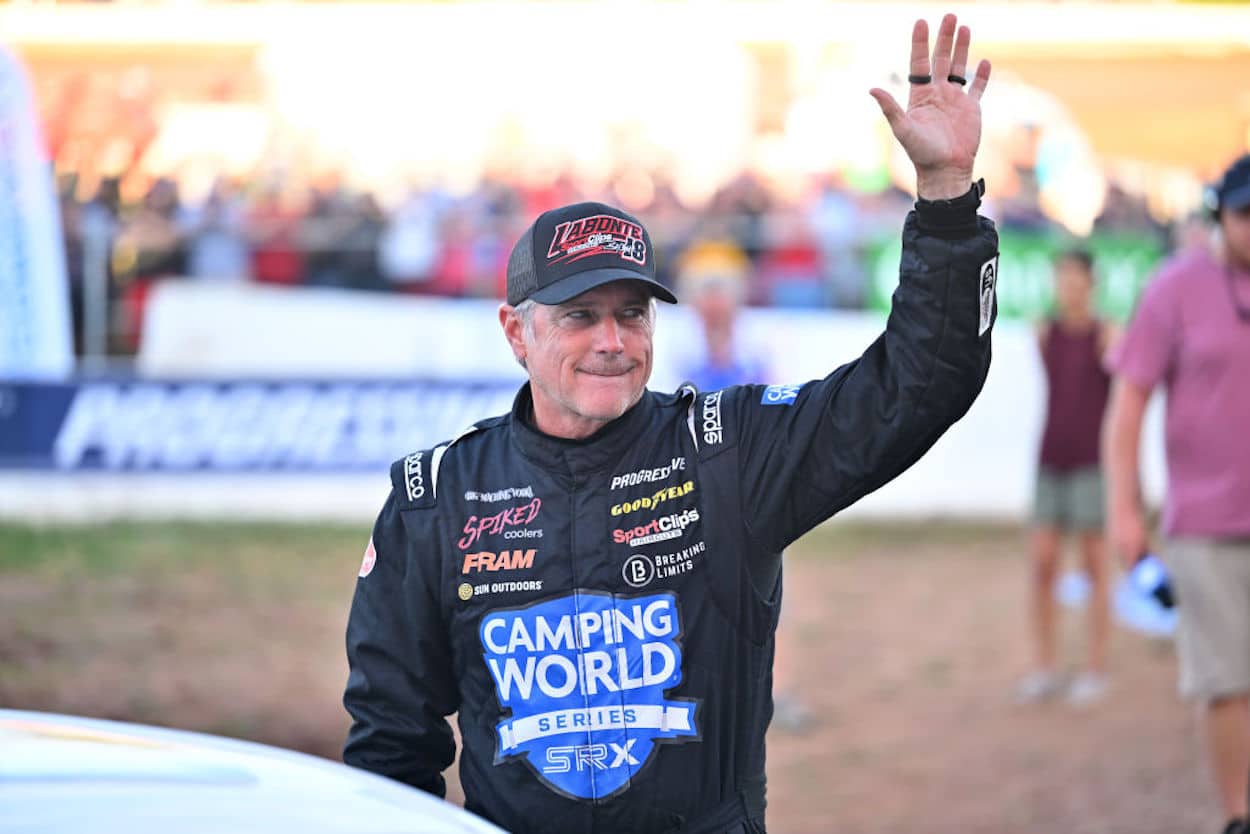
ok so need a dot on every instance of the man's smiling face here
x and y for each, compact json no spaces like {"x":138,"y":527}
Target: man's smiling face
{"x":588,"y":359}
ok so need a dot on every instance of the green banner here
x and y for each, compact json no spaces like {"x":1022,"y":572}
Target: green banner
{"x":1123,"y":263}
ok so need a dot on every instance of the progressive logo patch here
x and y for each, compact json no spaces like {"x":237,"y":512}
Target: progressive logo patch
{"x":584,"y":676}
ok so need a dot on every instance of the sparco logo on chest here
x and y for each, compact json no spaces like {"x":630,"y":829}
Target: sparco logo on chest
{"x":497,"y":523}
{"x":712,"y":431}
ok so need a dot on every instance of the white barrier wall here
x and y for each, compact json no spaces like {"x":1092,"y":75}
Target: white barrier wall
{"x":982,"y":468}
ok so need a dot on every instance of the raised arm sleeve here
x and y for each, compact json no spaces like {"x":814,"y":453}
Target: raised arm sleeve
{"x":806,"y":452}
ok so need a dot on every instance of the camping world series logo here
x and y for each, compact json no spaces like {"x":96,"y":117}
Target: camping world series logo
{"x":584,"y":677}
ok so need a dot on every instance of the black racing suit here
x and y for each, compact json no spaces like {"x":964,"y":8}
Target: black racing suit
{"x":601,"y":613}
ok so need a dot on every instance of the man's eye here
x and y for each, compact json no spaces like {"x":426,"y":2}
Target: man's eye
{"x":635,"y":313}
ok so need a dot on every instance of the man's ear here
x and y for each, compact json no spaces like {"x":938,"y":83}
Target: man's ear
{"x":513,"y":331}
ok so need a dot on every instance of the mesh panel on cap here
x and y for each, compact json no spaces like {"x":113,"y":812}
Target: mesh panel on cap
{"x":522,"y":279}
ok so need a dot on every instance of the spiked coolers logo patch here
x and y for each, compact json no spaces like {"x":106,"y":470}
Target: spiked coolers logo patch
{"x":584,"y":677}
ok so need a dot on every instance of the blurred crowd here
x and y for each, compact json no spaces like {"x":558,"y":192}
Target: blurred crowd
{"x":808,"y":250}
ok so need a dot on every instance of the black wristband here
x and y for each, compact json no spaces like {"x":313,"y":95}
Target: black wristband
{"x":951,"y":218}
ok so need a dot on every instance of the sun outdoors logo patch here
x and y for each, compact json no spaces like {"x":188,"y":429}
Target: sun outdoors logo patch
{"x":601,"y":234}
{"x":584,"y":677}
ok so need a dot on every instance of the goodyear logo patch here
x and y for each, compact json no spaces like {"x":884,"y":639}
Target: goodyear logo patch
{"x":584,"y":677}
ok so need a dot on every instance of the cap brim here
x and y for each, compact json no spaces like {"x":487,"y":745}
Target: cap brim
{"x":1237,"y":198}
{"x":574,"y":285}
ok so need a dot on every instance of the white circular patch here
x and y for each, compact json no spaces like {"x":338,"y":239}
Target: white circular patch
{"x":638,"y":570}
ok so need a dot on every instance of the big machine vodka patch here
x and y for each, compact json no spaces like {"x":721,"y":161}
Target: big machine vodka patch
{"x":584,"y":676}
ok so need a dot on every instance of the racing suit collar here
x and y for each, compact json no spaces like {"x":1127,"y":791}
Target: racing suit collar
{"x":587,"y":456}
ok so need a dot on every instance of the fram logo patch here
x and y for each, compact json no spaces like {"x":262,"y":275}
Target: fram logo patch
{"x":517,"y":516}
{"x":601,"y":234}
{"x":503,"y":560}
{"x":584,"y":677}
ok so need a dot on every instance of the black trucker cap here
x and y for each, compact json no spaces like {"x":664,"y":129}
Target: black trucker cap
{"x":1233,"y":192}
{"x":572,"y":249}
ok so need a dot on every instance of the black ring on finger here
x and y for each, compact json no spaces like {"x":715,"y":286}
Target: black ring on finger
{"x":919,"y":79}
{"x":957,"y":79}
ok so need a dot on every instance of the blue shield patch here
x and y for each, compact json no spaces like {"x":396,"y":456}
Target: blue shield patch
{"x":584,"y":676}
{"x":780,"y":394}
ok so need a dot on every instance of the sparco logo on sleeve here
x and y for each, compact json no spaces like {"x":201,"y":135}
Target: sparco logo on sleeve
{"x":370,"y":559}
{"x":584,"y":678}
{"x":712,"y":431}
{"x":413,"y":477}
{"x":989,"y":280}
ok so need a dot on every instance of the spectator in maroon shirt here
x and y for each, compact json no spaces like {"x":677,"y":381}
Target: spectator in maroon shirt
{"x":1069,"y":493}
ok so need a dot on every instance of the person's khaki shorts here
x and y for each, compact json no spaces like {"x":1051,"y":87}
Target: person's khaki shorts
{"x":1069,"y":500}
{"x":1211,"y":581}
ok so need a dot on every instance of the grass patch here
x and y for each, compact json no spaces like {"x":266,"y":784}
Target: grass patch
{"x":845,"y":539}
{"x":128,"y":547}
{"x":254,"y":550}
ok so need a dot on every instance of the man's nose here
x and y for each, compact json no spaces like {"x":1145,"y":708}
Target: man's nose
{"x":608,"y":336}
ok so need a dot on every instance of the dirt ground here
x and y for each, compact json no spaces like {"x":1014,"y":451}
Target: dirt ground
{"x":905,"y":643}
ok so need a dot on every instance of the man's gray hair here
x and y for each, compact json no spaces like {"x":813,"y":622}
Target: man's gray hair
{"x":525,"y":312}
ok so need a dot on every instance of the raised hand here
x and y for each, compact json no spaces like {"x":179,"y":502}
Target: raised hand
{"x":941,"y":128}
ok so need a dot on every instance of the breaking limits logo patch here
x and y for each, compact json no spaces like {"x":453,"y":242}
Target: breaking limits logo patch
{"x":601,"y":234}
{"x":584,"y":676}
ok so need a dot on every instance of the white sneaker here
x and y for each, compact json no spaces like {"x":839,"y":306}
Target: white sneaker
{"x":1041,"y":685}
{"x":1087,"y":688}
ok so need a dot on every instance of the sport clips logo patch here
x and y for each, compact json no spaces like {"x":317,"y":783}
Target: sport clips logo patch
{"x":601,"y":234}
{"x":584,"y":677}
